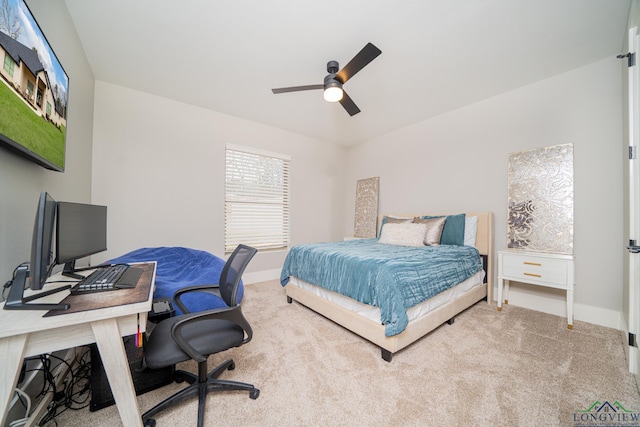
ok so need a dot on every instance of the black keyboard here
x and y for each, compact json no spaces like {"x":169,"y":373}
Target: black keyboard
{"x":114,"y":277}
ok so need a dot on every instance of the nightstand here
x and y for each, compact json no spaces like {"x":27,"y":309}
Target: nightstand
{"x":536,"y":268}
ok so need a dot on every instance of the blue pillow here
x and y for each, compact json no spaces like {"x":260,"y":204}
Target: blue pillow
{"x":453,"y":231}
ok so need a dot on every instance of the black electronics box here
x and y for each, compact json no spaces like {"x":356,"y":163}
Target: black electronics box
{"x":161,"y":309}
{"x":144,"y":380}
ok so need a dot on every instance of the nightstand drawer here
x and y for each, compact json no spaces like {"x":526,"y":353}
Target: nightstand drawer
{"x":531,"y":268}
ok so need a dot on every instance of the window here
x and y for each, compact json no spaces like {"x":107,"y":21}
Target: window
{"x":9,"y":65}
{"x":256,"y":199}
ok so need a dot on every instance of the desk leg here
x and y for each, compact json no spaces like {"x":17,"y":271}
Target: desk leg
{"x":116,"y":366}
{"x":500,"y":285}
{"x":12,"y":350}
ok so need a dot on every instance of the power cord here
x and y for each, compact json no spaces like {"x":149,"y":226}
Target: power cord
{"x":22,"y":421}
{"x":76,"y":388}
{"x":76,"y":391}
{"x":8,"y":284}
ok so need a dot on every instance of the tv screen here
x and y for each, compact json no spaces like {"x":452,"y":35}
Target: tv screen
{"x":34,"y":89}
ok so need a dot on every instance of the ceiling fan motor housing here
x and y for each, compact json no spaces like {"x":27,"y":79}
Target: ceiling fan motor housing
{"x":331,"y":81}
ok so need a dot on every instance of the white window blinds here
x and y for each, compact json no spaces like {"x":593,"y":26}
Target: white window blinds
{"x":256,"y":199}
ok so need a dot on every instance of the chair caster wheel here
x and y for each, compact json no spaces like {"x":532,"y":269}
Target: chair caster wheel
{"x":254,"y":393}
{"x":232,"y":366}
{"x":150,"y":423}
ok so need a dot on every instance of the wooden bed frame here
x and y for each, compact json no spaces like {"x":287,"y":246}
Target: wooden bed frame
{"x":417,"y":328}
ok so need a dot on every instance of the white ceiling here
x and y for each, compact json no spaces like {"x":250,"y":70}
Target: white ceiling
{"x":437,"y":55}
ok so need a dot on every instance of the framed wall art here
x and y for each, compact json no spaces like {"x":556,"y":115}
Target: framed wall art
{"x":540,"y":200}
{"x":366,"y":217}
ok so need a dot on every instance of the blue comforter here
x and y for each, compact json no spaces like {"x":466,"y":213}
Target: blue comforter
{"x":179,"y":267}
{"x":391,"y":277}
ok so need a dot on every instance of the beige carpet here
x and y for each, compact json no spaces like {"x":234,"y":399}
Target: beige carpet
{"x":515,"y":368}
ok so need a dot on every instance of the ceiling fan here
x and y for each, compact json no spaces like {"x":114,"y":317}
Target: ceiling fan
{"x":333,"y":82}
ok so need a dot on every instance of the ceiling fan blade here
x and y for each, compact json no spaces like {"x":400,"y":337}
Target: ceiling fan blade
{"x":296,"y":88}
{"x":348,"y":104}
{"x":366,"y":55}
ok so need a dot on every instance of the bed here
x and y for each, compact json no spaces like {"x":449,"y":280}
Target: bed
{"x":365,"y":319}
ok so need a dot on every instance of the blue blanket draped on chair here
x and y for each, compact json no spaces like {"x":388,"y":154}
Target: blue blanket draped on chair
{"x":178,"y":267}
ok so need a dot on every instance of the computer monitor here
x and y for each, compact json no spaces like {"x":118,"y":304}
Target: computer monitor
{"x":40,"y":264}
{"x":41,"y":261}
{"x":81,"y":231}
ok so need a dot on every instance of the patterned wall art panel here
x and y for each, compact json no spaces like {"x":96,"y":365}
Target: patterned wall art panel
{"x":540,"y":200}
{"x":366,"y":218}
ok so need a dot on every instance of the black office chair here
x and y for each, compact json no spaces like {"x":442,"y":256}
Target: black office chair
{"x":198,"y":335}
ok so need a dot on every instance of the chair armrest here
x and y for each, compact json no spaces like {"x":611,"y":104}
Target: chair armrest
{"x":232,"y":314}
{"x":213,"y":289}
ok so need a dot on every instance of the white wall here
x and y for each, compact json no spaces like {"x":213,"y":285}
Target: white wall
{"x":166,"y":187}
{"x":21,"y":181}
{"x":458,"y":161}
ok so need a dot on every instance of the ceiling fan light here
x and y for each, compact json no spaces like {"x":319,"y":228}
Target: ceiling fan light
{"x":332,"y":94}
{"x":333,"y":91}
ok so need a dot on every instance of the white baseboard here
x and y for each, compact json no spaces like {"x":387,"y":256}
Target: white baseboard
{"x":552,"y":301}
{"x":261,"y":276}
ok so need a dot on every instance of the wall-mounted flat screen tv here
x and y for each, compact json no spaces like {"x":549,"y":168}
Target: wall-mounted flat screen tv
{"x":34,"y":89}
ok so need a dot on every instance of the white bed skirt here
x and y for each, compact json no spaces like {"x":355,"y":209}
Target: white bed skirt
{"x":373,"y":313}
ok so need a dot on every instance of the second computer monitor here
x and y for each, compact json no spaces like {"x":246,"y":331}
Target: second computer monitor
{"x":81,"y":231}
{"x":42,"y":241}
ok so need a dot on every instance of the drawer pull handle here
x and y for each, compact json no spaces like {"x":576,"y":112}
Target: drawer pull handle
{"x":537,"y":264}
{"x":533,"y":274}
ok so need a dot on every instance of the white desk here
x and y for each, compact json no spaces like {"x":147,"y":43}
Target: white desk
{"x":28,"y":333}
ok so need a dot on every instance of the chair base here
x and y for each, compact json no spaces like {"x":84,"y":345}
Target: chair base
{"x":200,"y":385}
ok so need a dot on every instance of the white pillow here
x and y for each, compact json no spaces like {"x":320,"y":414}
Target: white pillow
{"x":470,"y":230}
{"x":404,"y":234}
{"x":434,"y":229}
{"x":387,"y":219}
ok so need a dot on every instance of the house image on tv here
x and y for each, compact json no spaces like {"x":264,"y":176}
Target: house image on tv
{"x":23,"y":72}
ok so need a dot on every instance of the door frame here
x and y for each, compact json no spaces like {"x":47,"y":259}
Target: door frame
{"x":633,"y":128}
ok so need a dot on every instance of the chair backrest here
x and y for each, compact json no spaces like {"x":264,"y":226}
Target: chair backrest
{"x":232,"y":273}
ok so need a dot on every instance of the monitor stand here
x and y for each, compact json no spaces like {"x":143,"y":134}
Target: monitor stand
{"x":69,"y":270}
{"x":17,"y":301}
